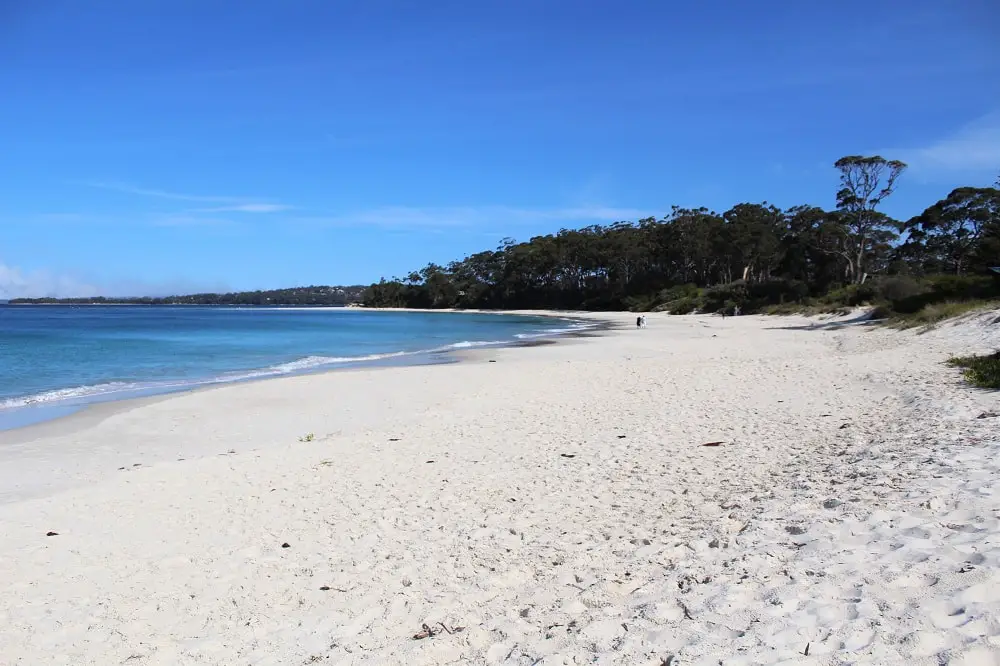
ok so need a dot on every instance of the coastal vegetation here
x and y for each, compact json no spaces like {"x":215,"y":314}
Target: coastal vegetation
{"x":755,"y":256}
{"x":301,"y":296}
{"x":981,"y":371}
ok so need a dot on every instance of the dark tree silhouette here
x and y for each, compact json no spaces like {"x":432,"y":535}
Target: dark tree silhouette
{"x":952,"y":231}
{"x":865,"y":182}
{"x":752,"y":255}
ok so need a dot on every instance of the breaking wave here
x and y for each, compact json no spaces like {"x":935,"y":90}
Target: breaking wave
{"x":120,"y":390}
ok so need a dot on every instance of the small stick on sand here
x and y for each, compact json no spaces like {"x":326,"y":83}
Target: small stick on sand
{"x":426,"y":632}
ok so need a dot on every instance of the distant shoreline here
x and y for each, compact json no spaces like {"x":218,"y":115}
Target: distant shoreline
{"x":312,"y":295}
{"x":18,"y":303}
{"x":21,"y":418}
{"x":349,"y":306}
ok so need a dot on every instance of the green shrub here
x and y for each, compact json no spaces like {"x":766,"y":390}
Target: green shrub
{"x":755,"y":296}
{"x":785,"y":309}
{"x":981,"y":371}
{"x":882,"y":312}
{"x":964,"y":286}
{"x":946,"y":288}
{"x":852,"y":295}
{"x":678,"y":299}
{"x":898,"y":288}
{"x":677,"y":292}
{"x":931,"y":314}
{"x":680,"y":291}
{"x":725,"y":296}
{"x":639,"y":303}
{"x":776,"y":292}
{"x":681,"y":306}
{"x":901,"y":299}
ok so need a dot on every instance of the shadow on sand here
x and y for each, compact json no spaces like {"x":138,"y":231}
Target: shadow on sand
{"x":861,"y":319}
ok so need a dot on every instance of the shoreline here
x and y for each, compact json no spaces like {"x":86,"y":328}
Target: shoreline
{"x":15,"y":419}
{"x":745,"y":490}
{"x":93,"y":414}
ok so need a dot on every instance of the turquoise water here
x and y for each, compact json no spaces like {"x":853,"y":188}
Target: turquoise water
{"x":62,"y":356}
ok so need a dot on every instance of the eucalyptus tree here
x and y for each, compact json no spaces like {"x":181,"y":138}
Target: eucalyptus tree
{"x":865,"y":182}
{"x":953,"y":230}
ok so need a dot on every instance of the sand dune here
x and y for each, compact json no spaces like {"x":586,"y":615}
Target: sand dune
{"x":557,"y":506}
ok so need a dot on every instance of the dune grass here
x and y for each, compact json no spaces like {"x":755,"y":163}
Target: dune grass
{"x":980,"y":371}
{"x":934,"y":313}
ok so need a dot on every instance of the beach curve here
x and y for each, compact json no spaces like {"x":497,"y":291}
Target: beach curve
{"x":556,"y":506}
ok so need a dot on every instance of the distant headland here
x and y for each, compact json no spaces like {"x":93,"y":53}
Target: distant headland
{"x":300,"y":296}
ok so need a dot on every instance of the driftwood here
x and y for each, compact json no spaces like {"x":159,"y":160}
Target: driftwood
{"x":428,"y":631}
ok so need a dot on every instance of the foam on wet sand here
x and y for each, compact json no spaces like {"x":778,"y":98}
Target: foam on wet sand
{"x":558,"y":506}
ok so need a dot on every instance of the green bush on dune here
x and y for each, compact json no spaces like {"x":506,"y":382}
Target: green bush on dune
{"x":981,"y":371}
{"x":902,"y":301}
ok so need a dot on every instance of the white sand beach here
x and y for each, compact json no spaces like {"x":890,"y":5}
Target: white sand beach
{"x":528,"y":506}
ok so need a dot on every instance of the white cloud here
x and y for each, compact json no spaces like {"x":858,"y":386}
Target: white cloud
{"x":15,"y":283}
{"x":231,"y":204}
{"x":125,"y":188}
{"x":974,"y":148}
{"x":176,"y":219}
{"x":410,"y":217}
{"x":245,"y":208}
{"x":185,"y":220}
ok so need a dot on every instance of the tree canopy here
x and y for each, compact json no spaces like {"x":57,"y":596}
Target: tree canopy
{"x":751,"y":252}
{"x":958,"y":230}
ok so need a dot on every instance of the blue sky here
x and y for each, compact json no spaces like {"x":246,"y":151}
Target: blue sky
{"x":182,"y":145}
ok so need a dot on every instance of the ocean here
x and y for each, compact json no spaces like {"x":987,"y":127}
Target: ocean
{"x":55,"y":359}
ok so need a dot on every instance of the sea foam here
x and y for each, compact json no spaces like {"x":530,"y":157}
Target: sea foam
{"x":119,"y":390}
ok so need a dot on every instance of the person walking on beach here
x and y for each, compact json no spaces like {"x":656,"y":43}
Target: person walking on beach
{"x":638,"y":322}
{"x":642,"y":321}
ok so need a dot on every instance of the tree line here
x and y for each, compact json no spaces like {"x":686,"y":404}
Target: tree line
{"x":753,"y":254}
{"x":300,"y":296}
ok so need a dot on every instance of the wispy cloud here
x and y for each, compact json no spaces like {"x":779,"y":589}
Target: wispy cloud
{"x":183,"y":220}
{"x":116,"y":220}
{"x":409,"y":217}
{"x":125,"y":188}
{"x":974,"y":148}
{"x":69,"y":218}
{"x":226,"y":204}
{"x":17,"y":283}
{"x":246,"y":208}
